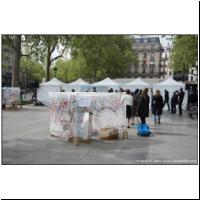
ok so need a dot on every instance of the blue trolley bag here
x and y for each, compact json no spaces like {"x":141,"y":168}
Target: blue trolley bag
{"x":143,"y":129}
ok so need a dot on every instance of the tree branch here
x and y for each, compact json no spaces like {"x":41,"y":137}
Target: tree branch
{"x":53,"y":48}
{"x":59,"y":56}
{"x":28,"y":54}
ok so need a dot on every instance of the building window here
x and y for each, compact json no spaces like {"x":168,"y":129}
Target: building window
{"x":192,"y":71}
{"x":145,"y":40}
{"x":191,"y":78}
{"x":137,"y":40}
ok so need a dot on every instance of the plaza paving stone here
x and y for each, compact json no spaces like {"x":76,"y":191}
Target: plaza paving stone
{"x":26,"y":140}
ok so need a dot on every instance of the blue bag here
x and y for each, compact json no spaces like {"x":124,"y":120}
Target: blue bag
{"x":143,"y":130}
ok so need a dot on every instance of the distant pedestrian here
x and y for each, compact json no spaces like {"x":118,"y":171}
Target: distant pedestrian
{"x":143,"y":106}
{"x":181,"y":95}
{"x":121,"y":90}
{"x":166,"y":100}
{"x":128,"y":102}
{"x":157,"y":106}
{"x":110,"y":90}
{"x":174,"y":101}
{"x":94,"y":89}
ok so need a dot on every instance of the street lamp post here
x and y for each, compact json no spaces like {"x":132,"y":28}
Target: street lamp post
{"x":55,"y":70}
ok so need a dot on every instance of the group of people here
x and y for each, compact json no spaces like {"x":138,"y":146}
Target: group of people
{"x":139,"y":101}
{"x":177,"y":99}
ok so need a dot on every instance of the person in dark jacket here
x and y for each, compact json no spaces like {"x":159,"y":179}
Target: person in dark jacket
{"x":166,"y":101}
{"x":143,"y":106}
{"x":157,"y":106}
{"x":174,"y":101}
{"x":135,"y":103}
{"x":180,"y":100}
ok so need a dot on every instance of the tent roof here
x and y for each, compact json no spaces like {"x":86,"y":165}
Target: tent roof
{"x":107,"y":81}
{"x":53,"y":81}
{"x":79,"y":82}
{"x":170,"y":82}
{"x":138,"y":81}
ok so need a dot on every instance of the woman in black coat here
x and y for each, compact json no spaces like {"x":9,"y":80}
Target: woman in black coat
{"x":157,"y":106}
{"x":143,"y":106}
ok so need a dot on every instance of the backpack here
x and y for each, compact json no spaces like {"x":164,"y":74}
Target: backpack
{"x":143,"y":130}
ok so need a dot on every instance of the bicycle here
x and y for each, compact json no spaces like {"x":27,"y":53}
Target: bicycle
{"x":193,"y":110}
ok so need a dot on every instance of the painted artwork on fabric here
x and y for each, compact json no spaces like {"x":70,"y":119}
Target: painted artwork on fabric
{"x":10,"y":95}
{"x":63,"y":117}
{"x":69,"y":117}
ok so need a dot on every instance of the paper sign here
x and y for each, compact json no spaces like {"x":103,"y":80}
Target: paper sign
{"x":84,"y":102}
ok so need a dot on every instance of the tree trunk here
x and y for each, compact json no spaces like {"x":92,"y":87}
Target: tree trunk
{"x":16,"y":61}
{"x":48,"y":63}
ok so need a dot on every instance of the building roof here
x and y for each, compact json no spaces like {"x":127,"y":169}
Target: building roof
{"x":147,"y":40}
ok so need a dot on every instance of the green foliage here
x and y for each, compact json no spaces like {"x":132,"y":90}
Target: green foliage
{"x":185,"y":52}
{"x":34,"y":70}
{"x":93,"y":57}
{"x":57,"y":43}
{"x":70,"y":70}
{"x":105,"y":55}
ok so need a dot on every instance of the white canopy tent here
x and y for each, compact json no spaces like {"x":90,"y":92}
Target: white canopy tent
{"x":54,"y":85}
{"x":107,"y":83}
{"x":138,"y":83}
{"x":77,"y":85}
{"x":171,"y":85}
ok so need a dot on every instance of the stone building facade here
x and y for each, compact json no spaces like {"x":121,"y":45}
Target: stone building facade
{"x":149,"y":51}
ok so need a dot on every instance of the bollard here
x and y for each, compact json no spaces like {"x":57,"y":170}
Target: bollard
{"x":76,"y":141}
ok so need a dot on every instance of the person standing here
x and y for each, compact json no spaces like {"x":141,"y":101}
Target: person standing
{"x":135,"y":103}
{"x":180,"y":100}
{"x":174,"y":101}
{"x":157,"y":106}
{"x":166,"y":101}
{"x":143,"y":106}
{"x":128,"y":102}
